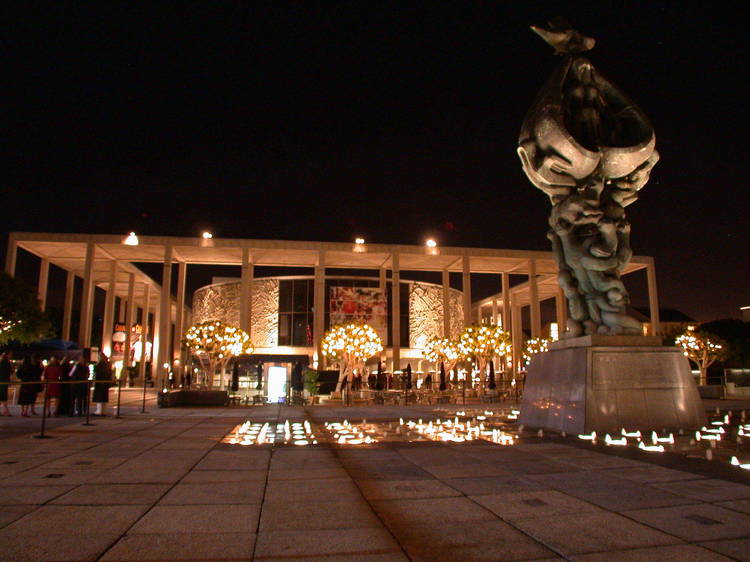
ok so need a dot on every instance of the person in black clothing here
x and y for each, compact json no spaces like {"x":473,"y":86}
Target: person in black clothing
{"x":65,"y":405}
{"x":6,"y":369}
{"x":102,"y":382}
{"x":427,"y":384}
{"x":30,"y":373}
{"x":78,"y":375}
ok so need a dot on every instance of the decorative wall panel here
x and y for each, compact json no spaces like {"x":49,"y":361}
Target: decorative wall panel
{"x":222,"y":302}
{"x":217,"y":302}
{"x":426,"y":313}
{"x":456,"y":305}
{"x":265,"y":313}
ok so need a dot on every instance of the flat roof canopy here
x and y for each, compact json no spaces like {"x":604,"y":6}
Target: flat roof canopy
{"x":68,"y":251}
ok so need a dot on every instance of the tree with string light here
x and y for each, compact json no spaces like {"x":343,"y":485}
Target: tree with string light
{"x":702,"y":349}
{"x":349,"y":346}
{"x":483,"y":343}
{"x":443,"y":350}
{"x":214,"y":343}
{"x":534,"y":346}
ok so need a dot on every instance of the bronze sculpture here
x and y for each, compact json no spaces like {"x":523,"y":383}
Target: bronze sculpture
{"x":590,"y":149}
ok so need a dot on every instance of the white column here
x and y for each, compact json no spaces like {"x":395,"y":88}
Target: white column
{"x":109,"y":310}
{"x":179,"y":316}
{"x":561,"y":306}
{"x":246,"y":287}
{"x":10,"y":257}
{"x":516,"y":336}
{"x":165,"y":309}
{"x":319,"y":298}
{"x":536,"y":313}
{"x":446,"y":303}
{"x":129,"y":319}
{"x":70,"y":285}
{"x":84,"y":330}
{"x":121,"y":310}
{"x":396,"y":311}
{"x":467,"y":290}
{"x":43,"y":282}
{"x":495,"y":314}
{"x":653,"y":299}
{"x":505,"y":280}
{"x":156,"y":368}
{"x":144,"y":333}
{"x":383,"y":281}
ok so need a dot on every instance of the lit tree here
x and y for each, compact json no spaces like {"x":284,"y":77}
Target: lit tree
{"x":21,"y":317}
{"x":702,"y":349}
{"x":350,"y":345}
{"x":214,"y":344}
{"x":443,"y":350}
{"x":534,"y":346}
{"x":483,"y":343}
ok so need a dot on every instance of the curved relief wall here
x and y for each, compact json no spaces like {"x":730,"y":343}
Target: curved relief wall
{"x":426,"y":313}
{"x":222,"y":302}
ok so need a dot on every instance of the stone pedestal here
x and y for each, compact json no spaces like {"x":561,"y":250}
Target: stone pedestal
{"x":605,"y":383}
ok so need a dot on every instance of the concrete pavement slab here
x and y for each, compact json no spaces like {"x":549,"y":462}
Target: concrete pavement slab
{"x":113,"y":494}
{"x":328,"y":544}
{"x":292,"y":515}
{"x":53,"y":547}
{"x":739,"y":549}
{"x":540,"y":503}
{"x":406,"y":512}
{"x":325,"y":489}
{"x":742,"y":506}
{"x":592,"y":532}
{"x":479,"y":540}
{"x":708,"y":489}
{"x":493,"y":485}
{"x":215,"y":493}
{"x":30,"y":495}
{"x":403,"y":489}
{"x":676,"y":553}
{"x":10,"y":513}
{"x":218,"y":546}
{"x":75,"y":520}
{"x":199,"y":519}
{"x":703,"y":522}
{"x":203,"y":476}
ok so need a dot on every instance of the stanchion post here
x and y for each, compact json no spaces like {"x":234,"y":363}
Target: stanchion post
{"x":44,"y":414}
{"x":143,"y":404}
{"x":87,"y":403}
{"x":119,"y":392}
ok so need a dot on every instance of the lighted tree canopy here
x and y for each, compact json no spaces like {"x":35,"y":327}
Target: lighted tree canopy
{"x":215,"y":343}
{"x":350,"y":345}
{"x":702,"y":349}
{"x":21,"y":317}
{"x":443,"y":350}
{"x":484,"y":342}
{"x":534,"y":346}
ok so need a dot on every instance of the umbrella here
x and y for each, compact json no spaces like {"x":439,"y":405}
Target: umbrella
{"x":297,"y":383}
{"x":408,"y":376}
{"x":442,"y":376}
{"x":259,"y":369}
{"x":235,"y":386}
{"x":493,"y":386}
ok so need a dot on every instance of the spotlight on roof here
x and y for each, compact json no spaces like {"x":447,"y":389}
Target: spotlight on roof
{"x":131,"y":239}
{"x":359,"y":240}
{"x":207,"y":235}
{"x":431,"y":243}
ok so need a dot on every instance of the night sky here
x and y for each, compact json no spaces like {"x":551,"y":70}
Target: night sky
{"x":392,"y":121}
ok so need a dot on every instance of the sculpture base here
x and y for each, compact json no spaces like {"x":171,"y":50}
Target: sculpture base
{"x":605,"y":383}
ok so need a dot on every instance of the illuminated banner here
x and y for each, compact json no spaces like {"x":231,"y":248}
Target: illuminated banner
{"x":360,"y":305}
{"x":118,"y":341}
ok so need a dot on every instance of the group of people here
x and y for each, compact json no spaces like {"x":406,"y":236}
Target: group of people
{"x":67,"y":385}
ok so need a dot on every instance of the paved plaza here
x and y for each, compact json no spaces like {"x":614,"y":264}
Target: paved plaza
{"x":162,"y":486}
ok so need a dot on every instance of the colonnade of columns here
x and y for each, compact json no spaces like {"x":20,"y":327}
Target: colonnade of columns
{"x":507,"y":307}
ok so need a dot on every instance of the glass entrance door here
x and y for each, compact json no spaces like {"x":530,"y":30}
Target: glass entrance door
{"x":276,"y":383}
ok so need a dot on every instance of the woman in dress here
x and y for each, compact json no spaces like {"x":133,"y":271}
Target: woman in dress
{"x":30,"y":373}
{"x":53,"y":373}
